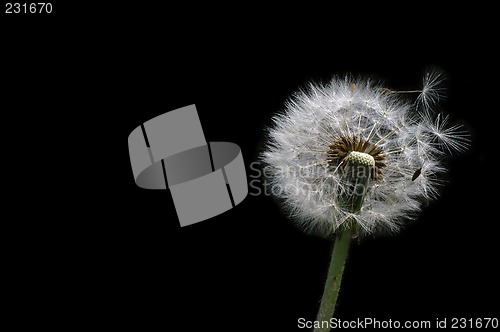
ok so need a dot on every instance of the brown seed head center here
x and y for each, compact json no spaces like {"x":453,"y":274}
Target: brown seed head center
{"x":340,"y":149}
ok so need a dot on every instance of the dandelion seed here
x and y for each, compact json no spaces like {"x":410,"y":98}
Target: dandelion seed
{"x":432,"y":88}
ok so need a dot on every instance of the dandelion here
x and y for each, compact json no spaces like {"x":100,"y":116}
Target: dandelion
{"x":352,"y":158}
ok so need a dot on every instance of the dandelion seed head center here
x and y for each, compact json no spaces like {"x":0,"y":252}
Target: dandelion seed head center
{"x":356,"y":151}
{"x":361,"y":158}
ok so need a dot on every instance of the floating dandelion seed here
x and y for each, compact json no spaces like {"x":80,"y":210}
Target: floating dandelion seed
{"x":432,"y":88}
{"x":353,"y":158}
{"x":310,"y":154}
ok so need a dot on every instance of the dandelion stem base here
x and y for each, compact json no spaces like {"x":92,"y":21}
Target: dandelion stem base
{"x":334,"y":279}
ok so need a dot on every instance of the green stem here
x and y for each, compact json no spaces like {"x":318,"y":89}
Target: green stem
{"x":334,"y":279}
{"x":358,"y":173}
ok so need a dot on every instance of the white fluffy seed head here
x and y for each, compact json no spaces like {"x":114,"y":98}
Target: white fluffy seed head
{"x":311,"y":142}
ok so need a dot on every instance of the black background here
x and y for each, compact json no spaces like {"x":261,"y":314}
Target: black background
{"x":92,"y":249}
